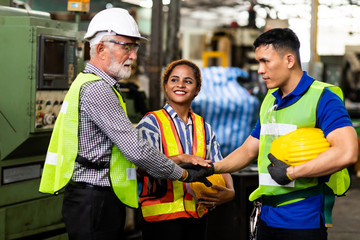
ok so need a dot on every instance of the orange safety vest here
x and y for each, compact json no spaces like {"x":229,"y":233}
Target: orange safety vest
{"x":177,"y":202}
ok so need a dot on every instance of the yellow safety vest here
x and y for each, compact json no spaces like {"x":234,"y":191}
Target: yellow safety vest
{"x":177,"y":202}
{"x":63,"y":149}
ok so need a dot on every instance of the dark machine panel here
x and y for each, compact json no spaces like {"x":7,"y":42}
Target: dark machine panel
{"x":57,"y":62}
{"x":40,"y":59}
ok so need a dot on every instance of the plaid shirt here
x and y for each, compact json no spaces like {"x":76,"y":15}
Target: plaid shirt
{"x":102,"y":123}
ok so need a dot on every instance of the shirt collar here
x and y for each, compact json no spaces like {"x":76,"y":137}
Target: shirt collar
{"x":89,"y":68}
{"x":303,"y":85}
{"x":171,"y":111}
{"x":174,"y":115}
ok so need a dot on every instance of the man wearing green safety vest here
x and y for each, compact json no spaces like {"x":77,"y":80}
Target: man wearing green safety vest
{"x":94,"y":147}
{"x":292,"y":201}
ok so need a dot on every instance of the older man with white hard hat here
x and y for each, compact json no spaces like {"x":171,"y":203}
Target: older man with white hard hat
{"x":94,"y":147}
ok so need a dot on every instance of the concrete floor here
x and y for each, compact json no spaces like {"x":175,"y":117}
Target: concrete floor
{"x":346,"y":214}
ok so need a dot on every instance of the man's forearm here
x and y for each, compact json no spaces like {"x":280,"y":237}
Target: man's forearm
{"x":233,"y":162}
{"x":239,"y":158}
{"x":342,"y":153}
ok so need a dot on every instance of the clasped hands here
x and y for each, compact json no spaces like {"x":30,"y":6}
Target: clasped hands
{"x":197,"y":173}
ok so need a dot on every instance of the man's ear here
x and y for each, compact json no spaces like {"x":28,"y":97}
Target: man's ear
{"x":291,"y":60}
{"x":100,"y":49}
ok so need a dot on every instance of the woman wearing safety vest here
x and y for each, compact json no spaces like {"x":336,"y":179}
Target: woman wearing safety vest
{"x":169,"y":207}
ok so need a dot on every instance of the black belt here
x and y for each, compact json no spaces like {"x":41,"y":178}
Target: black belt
{"x":275,"y":200}
{"x":93,"y":165}
{"x":84,"y":185}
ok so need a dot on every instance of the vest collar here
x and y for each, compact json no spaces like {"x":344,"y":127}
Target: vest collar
{"x":300,"y":89}
{"x":89,"y":68}
{"x":174,"y":115}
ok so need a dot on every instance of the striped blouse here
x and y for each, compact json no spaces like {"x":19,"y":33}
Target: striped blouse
{"x":150,"y":131}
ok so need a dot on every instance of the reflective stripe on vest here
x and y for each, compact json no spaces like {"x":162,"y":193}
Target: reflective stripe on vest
{"x":63,"y":149}
{"x":278,"y":122}
{"x":177,"y":202}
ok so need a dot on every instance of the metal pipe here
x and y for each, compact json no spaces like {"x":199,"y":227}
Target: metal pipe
{"x":156,"y":55}
{"x":173,"y":26}
{"x":314,"y":57}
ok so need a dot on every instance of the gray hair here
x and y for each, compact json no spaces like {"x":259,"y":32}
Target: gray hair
{"x":104,"y":38}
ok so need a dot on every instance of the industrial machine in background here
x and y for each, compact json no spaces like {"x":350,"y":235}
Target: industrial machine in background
{"x":350,"y":80}
{"x":40,"y":58}
{"x":350,"y":84}
{"x":235,"y":44}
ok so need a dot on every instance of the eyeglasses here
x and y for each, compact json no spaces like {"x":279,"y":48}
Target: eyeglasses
{"x":126,"y":46}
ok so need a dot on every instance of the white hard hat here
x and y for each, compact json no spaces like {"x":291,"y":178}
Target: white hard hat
{"x":113,"y":20}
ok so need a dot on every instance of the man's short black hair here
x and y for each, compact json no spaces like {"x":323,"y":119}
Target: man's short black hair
{"x":280,"y":39}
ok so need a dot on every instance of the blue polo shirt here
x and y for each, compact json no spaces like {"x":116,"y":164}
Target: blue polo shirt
{"x":331,"y":114}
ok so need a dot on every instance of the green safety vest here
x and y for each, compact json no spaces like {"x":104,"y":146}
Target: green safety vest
{"x":63,"y":149}
{"x":275,"y":123}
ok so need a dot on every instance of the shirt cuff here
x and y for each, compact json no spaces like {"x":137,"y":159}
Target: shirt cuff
{"x":176,"y":174}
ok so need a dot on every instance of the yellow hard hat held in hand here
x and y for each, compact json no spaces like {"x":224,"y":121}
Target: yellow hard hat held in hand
{"x":303,"y":145}
{"x":215,"y":179}
{"x":299,"y":146}
{"x":198,"y":187}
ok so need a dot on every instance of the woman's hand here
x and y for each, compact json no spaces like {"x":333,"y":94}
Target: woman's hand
{"x":187,"y":158}
{"x":224,"y":194}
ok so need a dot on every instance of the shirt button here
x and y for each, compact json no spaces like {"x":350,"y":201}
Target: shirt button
{"x":188,"y":143}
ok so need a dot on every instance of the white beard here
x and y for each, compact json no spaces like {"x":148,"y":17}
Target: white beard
{"x":117,"y":71}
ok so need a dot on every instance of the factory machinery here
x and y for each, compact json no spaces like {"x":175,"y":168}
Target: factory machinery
{"x":40,"y":58}
{"x":350,"y":80}
{"x":350,"y":84}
